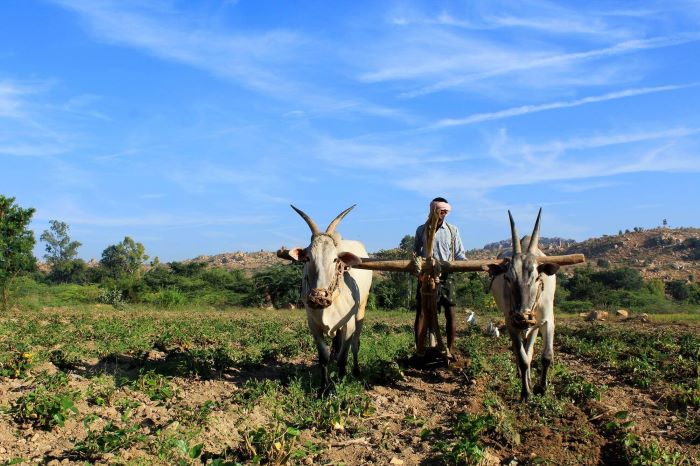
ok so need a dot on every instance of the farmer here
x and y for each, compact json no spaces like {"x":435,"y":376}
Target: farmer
{"x":447,"y":246}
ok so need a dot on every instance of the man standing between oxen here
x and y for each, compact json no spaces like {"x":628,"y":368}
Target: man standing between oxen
{"x":447,"y":246}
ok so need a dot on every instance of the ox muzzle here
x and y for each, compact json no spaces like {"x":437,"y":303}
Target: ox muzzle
{"x":319,"y":298}
{"x":523,"y":319}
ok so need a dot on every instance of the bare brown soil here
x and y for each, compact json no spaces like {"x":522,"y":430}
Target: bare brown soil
{"x":422,"y":399}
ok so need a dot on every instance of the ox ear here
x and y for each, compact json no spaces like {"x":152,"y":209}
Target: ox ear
{"x":548,"y":269}
{"x":497,"y":269}
{"x":349,"y":258}
{"x":294,"y":254}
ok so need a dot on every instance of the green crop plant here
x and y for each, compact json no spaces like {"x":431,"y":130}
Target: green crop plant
{"x":271,"y":444}
{"x":101,"y":391}
{"x":44,"y":408}
{"x":17,"y":363}
{"x":574,"y":387}
{"x":638,"y":452}
{"x":110,"y":438}
{"x":156,"y":386}
{"x":195,"y":415}
{"x":460,"y":445}
{"x":176,"y":445}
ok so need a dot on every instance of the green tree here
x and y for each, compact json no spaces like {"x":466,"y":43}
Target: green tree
{"x":276,"y":285}
{"x":406,"y":244}
{"x":61,"y":254}
{"x":16,"y":243}
{"x":472,"y":290}
{"x":395,"y":289}
{"x":124,"y":260}
{"x":59,"y":247}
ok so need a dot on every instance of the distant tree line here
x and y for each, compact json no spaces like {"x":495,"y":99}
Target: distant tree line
{"x":125,"y":275}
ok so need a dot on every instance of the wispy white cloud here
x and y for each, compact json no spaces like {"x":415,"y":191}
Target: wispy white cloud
{"x":550,"y":61}
{"x":527,"y":109}
{"x":580,"y":187}
{"x":164,"y":220}
{"x":249,"y":59}
{"x":505,"y":149}
{"x":37,"y":149}
{"x":11,"y":105}
{"x":263,"y":61}
{"x":84,"y":105}
{"x":73,"y":213}
{"x":368,"y":154}
{"x":664,"y":158}
{"x":545,"y":17}
{"x":499,"y":60}
{"x":200,"y":178}
{"x":30,"y":126}
{"x":119,"y":154}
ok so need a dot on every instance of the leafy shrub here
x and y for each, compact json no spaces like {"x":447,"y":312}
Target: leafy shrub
{"x":101,"y":391}
{"x":693,"y":246}
{"x":16,"y":364}
{"x":109,"y":439}
{"x":113,"y":296}
{"x":168,"y":298}
{"x":387,"y":295}
{"x":575,"y":306}
{"x":76,"y":294}
{"x":465,"y":448}
{"x":156,"y":386}
{"x":277,"y":285}
{"x":48,"y":405}
{"x":623,"y":278}
{"x":271,"y":444}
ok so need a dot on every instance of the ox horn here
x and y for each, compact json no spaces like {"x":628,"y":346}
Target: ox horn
{"x":517,"y":249}
{"x":314,"y":229}
{"x":331,"y":228}
{"x":535,"y":237}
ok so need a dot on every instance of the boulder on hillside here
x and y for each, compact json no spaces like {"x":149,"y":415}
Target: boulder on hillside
{"x":596,"y":315}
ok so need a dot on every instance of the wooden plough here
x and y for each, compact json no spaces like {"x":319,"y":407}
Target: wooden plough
{"x":429,"y":279}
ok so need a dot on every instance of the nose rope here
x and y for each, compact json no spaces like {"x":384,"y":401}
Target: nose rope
{"x":535,"y":308}
{"x":320,"y":298}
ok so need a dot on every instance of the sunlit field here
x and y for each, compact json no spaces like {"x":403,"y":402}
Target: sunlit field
{"x":147,"y":386}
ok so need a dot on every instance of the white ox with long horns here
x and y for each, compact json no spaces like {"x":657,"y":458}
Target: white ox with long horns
{"x":334,"y":294}
{"x":524,"y":292}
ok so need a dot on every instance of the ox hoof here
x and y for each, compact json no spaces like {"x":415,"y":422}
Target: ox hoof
{"x":540,"y":389}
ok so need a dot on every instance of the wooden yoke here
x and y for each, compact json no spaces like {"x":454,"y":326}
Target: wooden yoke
{"x":480,"y":265}
{"x":429,"y":278}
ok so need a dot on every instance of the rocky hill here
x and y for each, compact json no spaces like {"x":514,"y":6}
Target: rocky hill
{"x":663,"y":253}
{"x":248,"y":261}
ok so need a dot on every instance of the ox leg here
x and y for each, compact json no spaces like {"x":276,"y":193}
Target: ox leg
{"x":529,"y":351}
{"x":523,"y":359}
{"x":336,"y":344}
{"x":547,"y":355}
{"x":324,"y":356}
{"x":356,"y":348}
{"x":347,"y":333}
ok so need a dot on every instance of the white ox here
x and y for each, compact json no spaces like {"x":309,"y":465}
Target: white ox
{"x":524,"y":292}
{"x":334,"y":294}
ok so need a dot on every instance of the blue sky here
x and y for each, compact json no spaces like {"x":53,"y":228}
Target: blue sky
{"x":191,"y":126}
